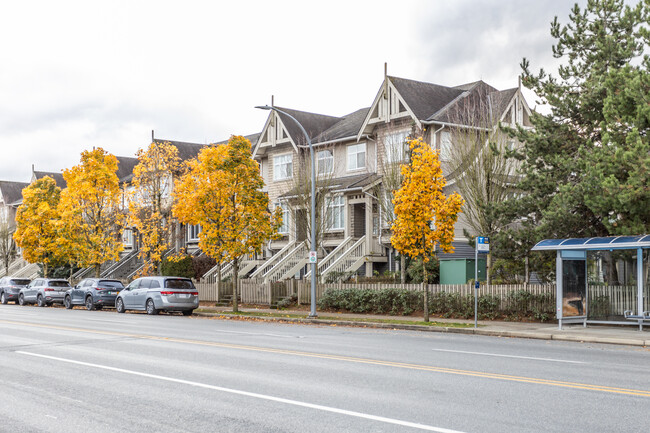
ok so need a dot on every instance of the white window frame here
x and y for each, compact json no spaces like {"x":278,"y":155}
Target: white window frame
{"x":127,"y":237}
{"x":335,"y":210}
{"x":325,"y":162}
{"x":193,"y":231}
{"x":286,"y":218}
{"x":353,"y":152}
{"x":395,"y":142}
{"x":445,"y":146}
{"x":285,"y":161}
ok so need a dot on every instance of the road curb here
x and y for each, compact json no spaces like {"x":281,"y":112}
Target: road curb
{"x":441,"y":329}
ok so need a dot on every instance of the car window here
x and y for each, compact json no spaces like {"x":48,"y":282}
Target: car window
{"x":17,"y":282}
{"x":177,"y":283}
{"x":155,"y":284}
{"x":110,"y":284}
{"x":86,"y":283}
{"x":59,"y":284}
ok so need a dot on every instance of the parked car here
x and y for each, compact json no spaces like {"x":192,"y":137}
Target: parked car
{"x":154,"y":294}
{"x":43,"y":291}
{"x":10,"y":288}
{"x":94,"y":293}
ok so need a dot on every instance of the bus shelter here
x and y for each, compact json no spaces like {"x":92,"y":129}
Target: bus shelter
{"x":572,"y":294}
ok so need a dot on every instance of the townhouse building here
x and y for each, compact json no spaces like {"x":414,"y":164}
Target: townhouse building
{"x":356,"y":159}
{"x":357,"y":156}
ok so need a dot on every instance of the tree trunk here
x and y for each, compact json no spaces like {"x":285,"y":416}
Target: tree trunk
{"x":44,"y":270}
{"x":98,"y":270}
{"x":526,"y":270}
{"x":425,"y":288}
{"x":488,"y":269}
{"x":402,"y":268}
{"x":235,"y":277}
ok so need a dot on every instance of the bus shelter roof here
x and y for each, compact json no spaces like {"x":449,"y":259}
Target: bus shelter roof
{"x":603,"y":243}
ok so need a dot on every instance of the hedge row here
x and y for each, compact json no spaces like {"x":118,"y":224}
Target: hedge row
{"x":405,"y":302}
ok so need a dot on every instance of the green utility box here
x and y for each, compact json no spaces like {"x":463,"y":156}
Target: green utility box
{"x":460,"y":271}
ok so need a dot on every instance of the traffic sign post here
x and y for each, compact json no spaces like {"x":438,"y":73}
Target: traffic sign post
{"x":482,"y":246}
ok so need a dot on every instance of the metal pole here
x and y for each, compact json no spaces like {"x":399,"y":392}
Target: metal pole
{"x":313,"y":205}
{"x":475,"y":283}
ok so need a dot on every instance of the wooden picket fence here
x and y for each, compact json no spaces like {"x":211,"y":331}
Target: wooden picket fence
{"x":256,"y":291}
{"x":605,"y":301}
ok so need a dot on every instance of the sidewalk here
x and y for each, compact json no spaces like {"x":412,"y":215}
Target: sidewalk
{"x":624,"y":335}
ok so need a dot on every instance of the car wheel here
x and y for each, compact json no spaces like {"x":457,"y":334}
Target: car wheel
{"x":89,"y":303}
{"x":67,"y":302}
{"x":119,"y":305}
{"x":187,"y":312}
{"x":3,"y":298}
{"x":21,"y":299}
{"x":40,"y":301}
{"x":151,"y":309}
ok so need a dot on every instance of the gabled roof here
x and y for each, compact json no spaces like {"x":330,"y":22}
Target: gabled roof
{"x":347,"y":126}
{"x":314,"y":124}
{"x":341,"y":184}
{"x":474,"y":107}
{"x":501,"y":99}
{"x":424,"y":99}
{"x":58,"y":177}
{"x":125,"y":166}
{"x":251,"y":137}
{"x":186,"y":151}
{"x":12,"y":191}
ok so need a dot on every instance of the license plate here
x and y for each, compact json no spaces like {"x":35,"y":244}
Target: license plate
{"x":184,"y":295}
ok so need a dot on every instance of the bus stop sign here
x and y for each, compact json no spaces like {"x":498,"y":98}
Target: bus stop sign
{"x":483,"y":244}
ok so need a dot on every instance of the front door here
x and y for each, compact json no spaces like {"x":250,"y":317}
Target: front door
{"x":358,"y":220}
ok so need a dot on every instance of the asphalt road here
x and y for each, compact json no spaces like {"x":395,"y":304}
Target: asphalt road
{"x":81,"y":371}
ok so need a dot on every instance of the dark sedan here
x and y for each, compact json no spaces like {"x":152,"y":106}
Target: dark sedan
{"x":10,"y":288}
{"x":93,"y":293}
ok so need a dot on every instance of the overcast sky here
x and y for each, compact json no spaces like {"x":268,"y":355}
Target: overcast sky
{"x":78,"y":74}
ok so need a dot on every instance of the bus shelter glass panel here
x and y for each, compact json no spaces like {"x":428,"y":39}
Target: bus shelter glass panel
{"x":574,"y":284}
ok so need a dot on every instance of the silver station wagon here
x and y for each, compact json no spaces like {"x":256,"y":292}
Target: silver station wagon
{"x":155,"y":294}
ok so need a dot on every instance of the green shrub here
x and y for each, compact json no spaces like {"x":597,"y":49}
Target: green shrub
{"x":415,"y":270}
{"x":177,"y":266}
{"x":366,"y":301}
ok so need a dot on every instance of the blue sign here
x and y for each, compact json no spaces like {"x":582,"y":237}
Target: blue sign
{"x":477,"y":285}
{"x":483,"y":244}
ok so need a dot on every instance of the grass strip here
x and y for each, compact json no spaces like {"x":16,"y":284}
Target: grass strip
{"x":339,"y":318}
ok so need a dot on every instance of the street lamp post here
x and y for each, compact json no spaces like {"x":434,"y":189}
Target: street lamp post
{"x":313,"y":205}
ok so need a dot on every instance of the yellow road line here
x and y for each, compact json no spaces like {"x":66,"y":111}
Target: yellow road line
{"x":496,"y":376}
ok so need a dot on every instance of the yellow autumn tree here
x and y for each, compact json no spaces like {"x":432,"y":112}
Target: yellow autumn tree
{"x":150,"y":202}
{"x":36,"y":222}
{"x":424,"y":216}
{"x":90,"y":208}
{"x":222,"y":191}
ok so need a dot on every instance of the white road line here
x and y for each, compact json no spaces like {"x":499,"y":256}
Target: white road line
{"x":251,"y":394}
{"x":511,"y":356}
